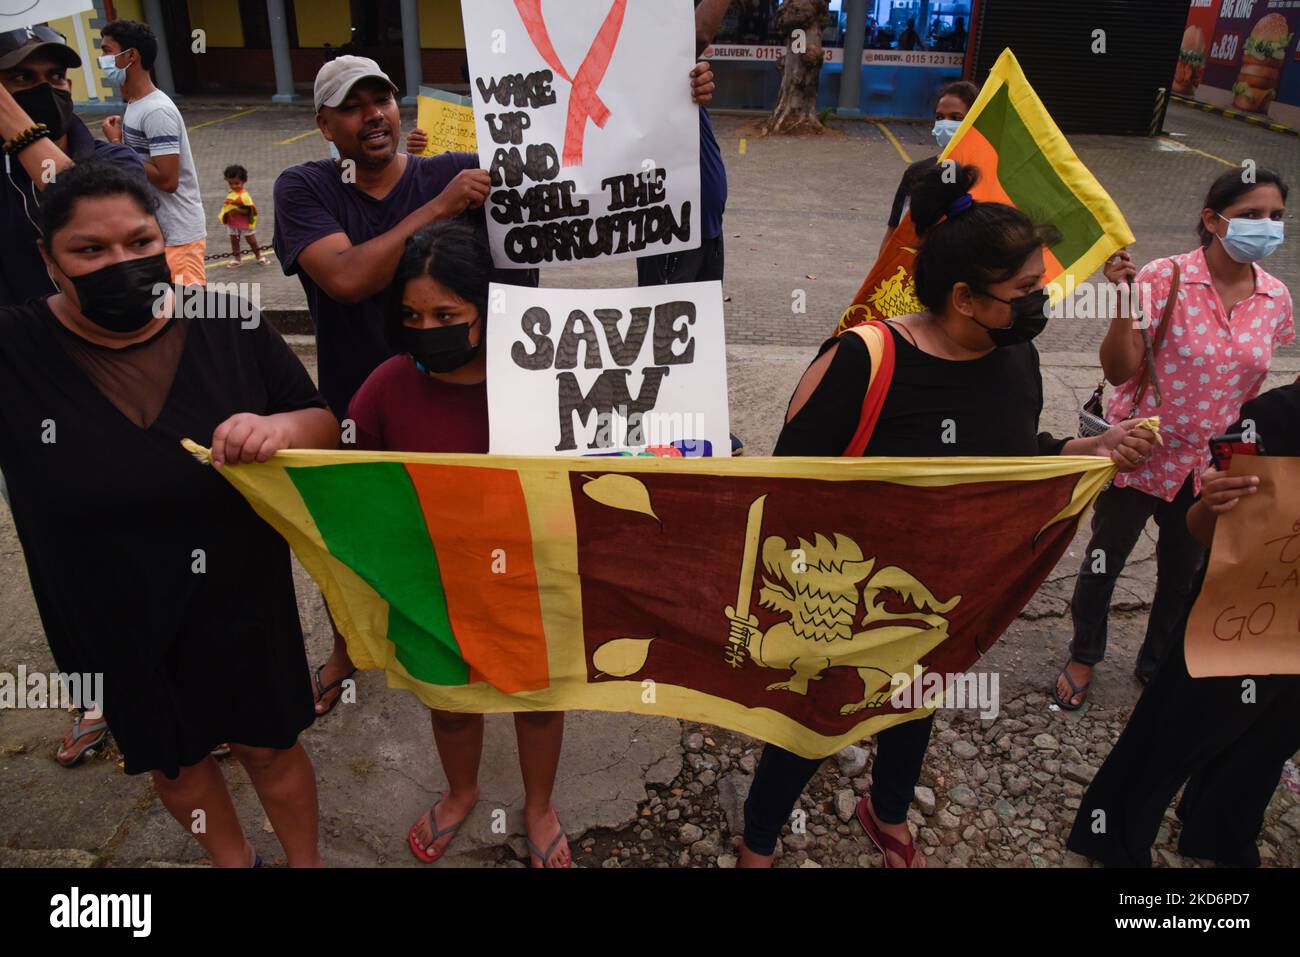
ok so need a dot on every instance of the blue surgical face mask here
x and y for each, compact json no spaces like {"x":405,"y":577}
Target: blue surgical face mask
{"x":1250,"y":240}
{"x":944,"y":130}
{"x":112,"y":72}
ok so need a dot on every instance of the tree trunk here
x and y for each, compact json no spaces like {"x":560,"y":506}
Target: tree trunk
{"x":801,"y":69}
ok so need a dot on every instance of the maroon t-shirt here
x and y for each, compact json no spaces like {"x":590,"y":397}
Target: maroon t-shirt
{"x":400,"y":409}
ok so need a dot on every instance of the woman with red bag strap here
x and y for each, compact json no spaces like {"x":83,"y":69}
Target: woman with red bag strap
{"x":1218,"y":317}
{"x":960,"y":378}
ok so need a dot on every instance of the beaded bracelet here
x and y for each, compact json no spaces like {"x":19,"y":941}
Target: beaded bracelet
{"x":26,"y":138}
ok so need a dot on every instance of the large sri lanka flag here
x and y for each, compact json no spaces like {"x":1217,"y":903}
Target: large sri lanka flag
{"x":1024,"y":161}
{"x":784,"y":598}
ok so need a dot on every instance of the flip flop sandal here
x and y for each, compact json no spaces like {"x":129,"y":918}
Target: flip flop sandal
{"x":438,"y":832}
{"x":1074,"y":690}
{"x":544,"y":857}
{"x":90,"y":749}
{"x":884,"y":842}
{"x":221,"y":751}
{"x":322,"y":692}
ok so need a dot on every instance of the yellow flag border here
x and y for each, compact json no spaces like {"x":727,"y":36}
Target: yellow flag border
{"x":1087,"y":189}
{"x":273,"y":496}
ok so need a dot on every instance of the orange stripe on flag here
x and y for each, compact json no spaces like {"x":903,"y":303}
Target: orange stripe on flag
{"x":478,"y":521}
{"x":975,"y":150}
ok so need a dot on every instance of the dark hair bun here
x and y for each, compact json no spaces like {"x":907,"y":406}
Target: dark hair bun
{"x":934,"y":191}
{"x":984,"y":244}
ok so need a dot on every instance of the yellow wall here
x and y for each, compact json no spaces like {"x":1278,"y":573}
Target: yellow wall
{"x":323,"y":21}
{"x":220,"y":20}
{"x":440,"y":24}
{"x":89,"y":72}
{"x":129,"y":10}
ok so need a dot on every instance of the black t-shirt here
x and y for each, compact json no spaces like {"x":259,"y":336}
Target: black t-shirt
{"x":910,"y":175}
{"x":987,"y":406}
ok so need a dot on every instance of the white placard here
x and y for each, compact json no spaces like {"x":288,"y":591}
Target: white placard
{"x":609,"y":171}
{"x":16,"y":14}
{"x":608,"y":371}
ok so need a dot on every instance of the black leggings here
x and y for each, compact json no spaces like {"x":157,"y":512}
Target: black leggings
{"x":782,"y":776}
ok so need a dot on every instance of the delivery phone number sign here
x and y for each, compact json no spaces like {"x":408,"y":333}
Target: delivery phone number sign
{"x":585,"y":110}
{"x":607,"y":371}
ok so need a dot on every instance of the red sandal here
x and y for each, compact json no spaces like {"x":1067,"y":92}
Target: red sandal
{"x":884,"y":843}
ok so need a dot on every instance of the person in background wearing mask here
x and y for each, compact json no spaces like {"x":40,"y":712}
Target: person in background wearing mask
{"x":1230,"y":748}
{"x":1229,"y":317}
{"x":35,"y":89}
{"x":950,"y":109}
{"x":154,"y":128}
{"x":432,"y":397}
{"x":968,"y":360}
{"x":114,"y":516}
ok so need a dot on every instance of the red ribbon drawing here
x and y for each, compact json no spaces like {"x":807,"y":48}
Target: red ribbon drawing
{"x":584,"y":101}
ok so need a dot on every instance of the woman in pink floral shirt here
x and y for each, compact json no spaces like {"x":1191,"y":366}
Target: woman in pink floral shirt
{"x":1228,"y":318}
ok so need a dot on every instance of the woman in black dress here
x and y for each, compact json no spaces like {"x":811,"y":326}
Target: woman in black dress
{"x":1224,"y":747}
{"x":147,"y":567}
{"x":966,"y":382}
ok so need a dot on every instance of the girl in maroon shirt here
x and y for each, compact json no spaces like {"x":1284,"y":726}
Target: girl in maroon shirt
{"x":432,"y":397}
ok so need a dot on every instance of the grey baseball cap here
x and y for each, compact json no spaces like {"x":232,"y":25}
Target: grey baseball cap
{"x":17,"y":45}
{"x":337,"y":77}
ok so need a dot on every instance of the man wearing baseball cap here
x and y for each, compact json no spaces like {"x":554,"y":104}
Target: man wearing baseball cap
{"x":341,"y":227}
{"x":41,"y":136}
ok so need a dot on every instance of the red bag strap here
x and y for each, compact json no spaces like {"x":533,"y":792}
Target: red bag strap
{"x":880,"y":345}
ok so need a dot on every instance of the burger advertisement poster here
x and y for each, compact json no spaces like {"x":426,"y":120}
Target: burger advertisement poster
{"x":1243,"y":55}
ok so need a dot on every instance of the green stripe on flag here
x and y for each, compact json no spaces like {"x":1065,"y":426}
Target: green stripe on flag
{"x":1028,"y":177}
{"x":370,"y":519}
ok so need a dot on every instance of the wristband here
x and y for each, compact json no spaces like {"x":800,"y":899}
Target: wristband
{"x":26,"y":138}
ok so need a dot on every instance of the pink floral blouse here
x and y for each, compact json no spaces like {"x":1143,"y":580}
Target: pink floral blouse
{"x":1208,"y":366}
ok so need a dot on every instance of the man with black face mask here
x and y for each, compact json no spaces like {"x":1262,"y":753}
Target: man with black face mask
{"x":35,"y":89}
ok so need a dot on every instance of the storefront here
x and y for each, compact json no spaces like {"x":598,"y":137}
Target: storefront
{"x":1243,"y":58}
{"x":890,"y":81}
{"x":275,"y":47}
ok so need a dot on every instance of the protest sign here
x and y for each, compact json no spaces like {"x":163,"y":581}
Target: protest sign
{"x":608,"y":371}
{"x":586,"y":124}
{"x":1247,"y":618}
{"x":16,"y":14}
{"x":449,"y":121}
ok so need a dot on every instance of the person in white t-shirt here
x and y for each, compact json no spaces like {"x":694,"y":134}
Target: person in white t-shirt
{"x":153,"y":127}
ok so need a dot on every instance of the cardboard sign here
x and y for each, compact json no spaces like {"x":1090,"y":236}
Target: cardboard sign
{"x":449,"y":121}
{"x":1247,"y":618}
{"x":608,"y":371}
{"x":585,"y":121}
{"x":16,"y":14}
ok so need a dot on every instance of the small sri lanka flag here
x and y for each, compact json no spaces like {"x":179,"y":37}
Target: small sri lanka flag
{"x":1024,"y":161}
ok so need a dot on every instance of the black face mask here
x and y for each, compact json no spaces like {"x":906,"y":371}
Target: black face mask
{"x":1028,"y":319}
{"x":45,"y":104}
{"x":122,"y":297}
{"x":437,"y":349}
